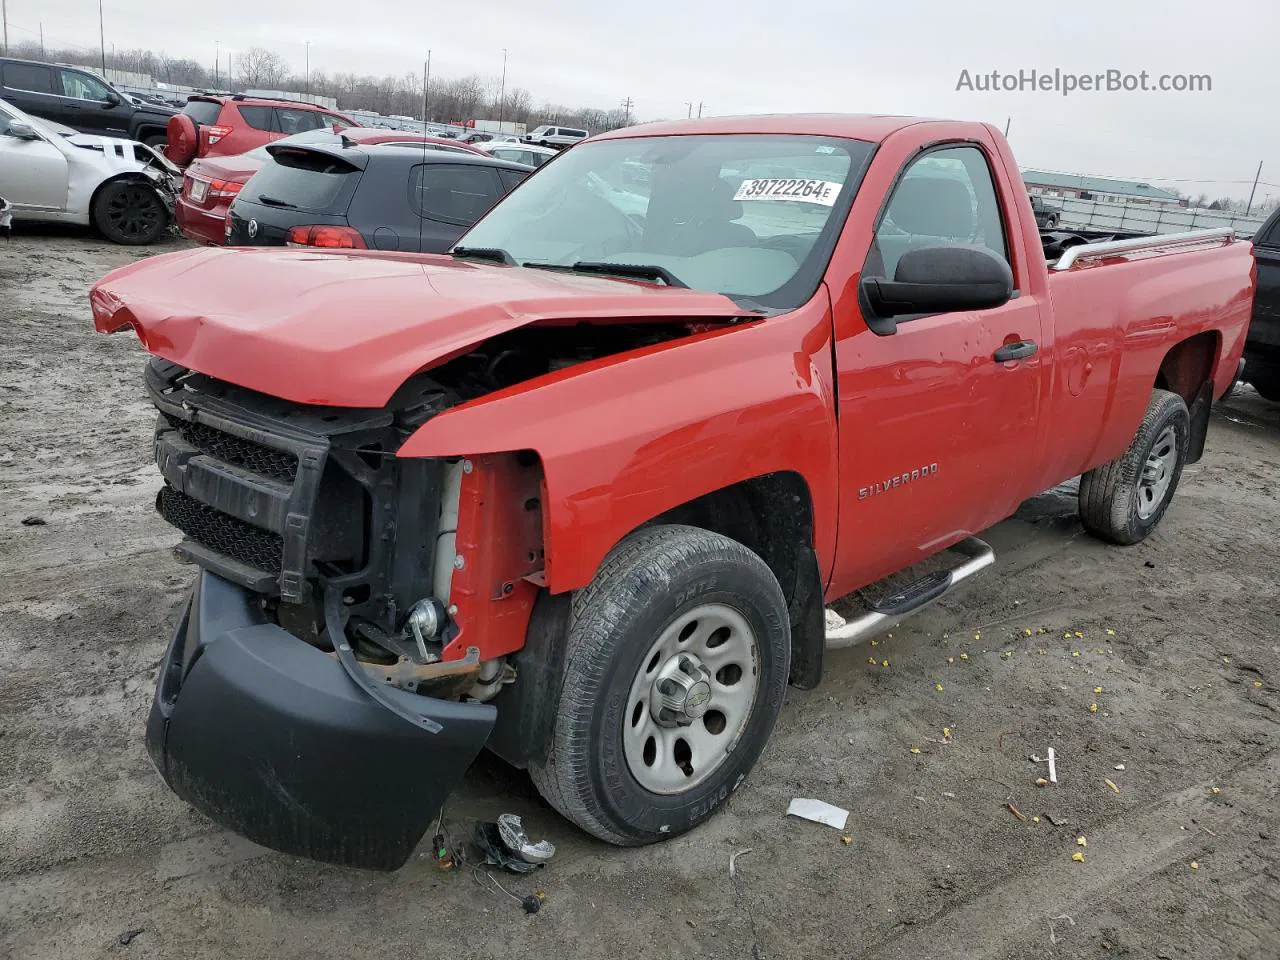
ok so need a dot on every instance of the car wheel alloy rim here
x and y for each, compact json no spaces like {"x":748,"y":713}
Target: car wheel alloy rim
{"x":1157,"y":472}
{"x":691,"y":699}
{"x":134,"y":211}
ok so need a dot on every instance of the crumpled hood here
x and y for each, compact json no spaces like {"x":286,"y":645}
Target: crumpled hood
{"x":347,"y":329}
{"x":118,"y":152}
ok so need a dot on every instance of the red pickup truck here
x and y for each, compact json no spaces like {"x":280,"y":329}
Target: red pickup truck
{"x":579,"y":491}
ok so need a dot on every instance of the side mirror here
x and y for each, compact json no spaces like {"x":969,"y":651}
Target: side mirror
{"x":939,"y":279}
{"x":22,"y":130}
{"x":111,"y":100}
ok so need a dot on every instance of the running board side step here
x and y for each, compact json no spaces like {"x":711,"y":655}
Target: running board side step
{"x":912,"y":598}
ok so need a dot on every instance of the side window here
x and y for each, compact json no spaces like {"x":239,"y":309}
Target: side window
{"x":1271,"y":238}
{"x":945,"y":196}
{"x":451,"y":192}
{"x":257,"y":117}
{"x":30,"y":77}
{"x":511,"y":179}
{"x":331,"y":121}
{"x":81,"y":86}
{"x":296,"y":121}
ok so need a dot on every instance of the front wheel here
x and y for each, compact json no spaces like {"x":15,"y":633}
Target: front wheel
{"x":129,"y":212}
{"x":1122,"y":501}
{"x":676,"y":667}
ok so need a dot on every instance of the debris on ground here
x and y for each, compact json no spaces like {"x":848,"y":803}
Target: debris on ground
{"x":1081,"y":842}
{"x":818,"y":811}
{"x":1195,"y":865}
{"x":34,"y":522}
{"x":1053,"y":937}
{"x":1214,"y":790}
{"x":733,"y":860}
{"x":1051,"y":759}
{"x":846,"y":840}
{"x":1112,"y":785}
{"x":132,"y":934}
{"x":514,"y":838}
{"x":1119,"y":766}
{"x":1041,"y":782}
{"x":1016,"y":812}
{"x":494,"y":852}
{"x":1057,"y":821}
{"x":1078,"y":857}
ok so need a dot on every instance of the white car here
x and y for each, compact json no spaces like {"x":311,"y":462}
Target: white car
{"x":517,"y":152}
{"x":122,"y":188}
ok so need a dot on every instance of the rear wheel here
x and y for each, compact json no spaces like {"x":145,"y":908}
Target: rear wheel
{"x":129,"y":212}
{"x":1122,"y":501}
{"x":676,"y":667}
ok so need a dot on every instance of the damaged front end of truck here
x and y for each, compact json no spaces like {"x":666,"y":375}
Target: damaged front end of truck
{"x":331,"y":675}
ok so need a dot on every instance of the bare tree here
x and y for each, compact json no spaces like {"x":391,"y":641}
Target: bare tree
{"x":260,"y":67}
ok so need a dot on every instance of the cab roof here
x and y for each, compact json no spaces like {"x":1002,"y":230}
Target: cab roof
{"x":872,"y":128}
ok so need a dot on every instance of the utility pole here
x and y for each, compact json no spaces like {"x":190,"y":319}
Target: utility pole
{"x":689,"y":114}
{"x":1255,"y":187}
{"x":1007,"y":121}
{"x":308,"y":75}
{"x":102,"y":39}
{"x":627,"y":104}
{"x":426,"y":82}
{"x":502,"y":91}
{"x":42,"y":40}
{"x":4,"y":15}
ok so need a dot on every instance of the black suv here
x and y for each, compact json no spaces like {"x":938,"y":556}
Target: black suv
{"x":385,"y":197}
{"x":80,"y":100}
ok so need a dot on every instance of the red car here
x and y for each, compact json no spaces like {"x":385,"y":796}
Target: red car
{"x":210,"y":126}
{"x":210,"y":184}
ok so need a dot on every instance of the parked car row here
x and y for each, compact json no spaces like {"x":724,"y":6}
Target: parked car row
{"x":210,"y":184}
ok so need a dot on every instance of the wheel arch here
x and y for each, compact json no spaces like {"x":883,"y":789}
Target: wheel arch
{"x":133,"y":175}
{"x":1187,"y":369}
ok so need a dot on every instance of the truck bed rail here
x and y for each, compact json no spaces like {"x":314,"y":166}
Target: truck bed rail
{"x":1159,"y":242}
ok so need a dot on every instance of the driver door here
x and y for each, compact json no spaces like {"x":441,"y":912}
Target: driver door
{"x":936,"y":433}
{"x":91,"y":106}
{"x":33,"y":173}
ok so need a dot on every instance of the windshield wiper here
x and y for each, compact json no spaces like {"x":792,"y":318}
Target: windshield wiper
{"x":496,"y":254}
{"x":630,"y":271}
{"x":273,"y":202}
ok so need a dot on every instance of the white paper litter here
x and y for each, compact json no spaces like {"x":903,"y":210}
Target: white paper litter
{"x":818,"y":811}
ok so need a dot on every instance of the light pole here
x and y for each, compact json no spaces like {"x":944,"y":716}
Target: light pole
{"x":308,"y":75}
{"x":102,"y":39}
{"x":502,"y":90}
{"x":215,"y":64}
{"x":689,"y":115}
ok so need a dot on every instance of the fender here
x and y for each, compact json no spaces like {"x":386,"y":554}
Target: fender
{"x":625,"y":438}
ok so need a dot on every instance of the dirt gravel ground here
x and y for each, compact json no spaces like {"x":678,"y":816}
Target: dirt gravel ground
{"x":1175,"y":640}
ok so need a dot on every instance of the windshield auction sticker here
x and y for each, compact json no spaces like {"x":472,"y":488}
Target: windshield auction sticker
{"x":805,"y":191}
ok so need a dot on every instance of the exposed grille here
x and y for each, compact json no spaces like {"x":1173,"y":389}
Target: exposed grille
{"x":239,"y":452}
{"x":227,"y":535}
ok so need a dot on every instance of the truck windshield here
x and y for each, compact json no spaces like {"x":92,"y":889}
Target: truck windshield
{"x":751,"y":216}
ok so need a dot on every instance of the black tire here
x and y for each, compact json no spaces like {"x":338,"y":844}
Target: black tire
{"x":156,"y":141}
{"x":1112,"y":495}
{"x":647,"y":582}
{"x":1268,"y":388}
{"x":1051,"y":222}
{"x":129,"y":212}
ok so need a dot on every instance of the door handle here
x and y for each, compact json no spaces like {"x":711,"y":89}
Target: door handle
{"x":1015,"y":351}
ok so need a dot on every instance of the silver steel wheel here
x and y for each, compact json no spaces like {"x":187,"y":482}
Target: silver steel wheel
{"x":1157,"y":472}
{"x":691,"y":699}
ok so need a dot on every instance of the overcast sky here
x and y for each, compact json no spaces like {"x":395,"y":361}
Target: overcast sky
{"x":901,"y":56}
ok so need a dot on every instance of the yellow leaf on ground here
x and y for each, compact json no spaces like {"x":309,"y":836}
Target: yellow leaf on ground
{"x":1093,"y":708}
{"x":938,"y":687}
{"x":915,"y":749}
{"x":1081,"y":842}
{"x":1111,"y":785}
{"x":1078,"y":857}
